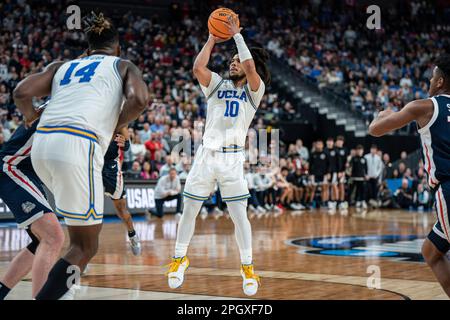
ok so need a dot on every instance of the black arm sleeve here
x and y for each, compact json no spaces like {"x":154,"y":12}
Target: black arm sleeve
{"x":127,"y":145}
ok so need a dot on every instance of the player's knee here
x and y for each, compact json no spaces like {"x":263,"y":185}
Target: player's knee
{"x":50,"y":233}
{"x":56,"y":238}
{"x":430,"y":253}
{"x":32,"y":246}
{"x":89,"y":251}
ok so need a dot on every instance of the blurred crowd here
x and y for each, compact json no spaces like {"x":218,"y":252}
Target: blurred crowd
{"x":33,"y":34}
{"x":371,"y":69}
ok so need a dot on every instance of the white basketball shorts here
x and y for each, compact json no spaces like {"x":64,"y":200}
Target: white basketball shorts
{"x":69,"y":162}
{"x":225,"y":168}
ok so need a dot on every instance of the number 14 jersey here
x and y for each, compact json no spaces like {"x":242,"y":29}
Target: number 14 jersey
{"x":86,"y":93}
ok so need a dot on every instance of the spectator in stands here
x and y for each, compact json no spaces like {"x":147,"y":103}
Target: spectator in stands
{"x":422,"y":197}
{"x":401,"y":169}
{"x":137,"y":148}
{"x":385,"y":196}
{"x":2,"y":140}
{"x":154,"y":146}
{"x":134,"y":172}
{"x":358,"y":166}
{"x":298,"y":181}
{"x":302,"y":150}
{"x":158,"y":125}
{"x":387,"y":166}
{"x":253,"y":202}
{"x":263,"y":185}
{"x":332,"y":173}
{"x":404,"y":195}
{"x":285,"y":190}
{"x":342,"y":157}
{"x":168,"y":188}
{"x":164,"y":170}
{"x":145,"y":133}
{"x":318,"y":170}
{"x":147,"y":172}
{"x":374,"y":171}
{"x":186,"y":166}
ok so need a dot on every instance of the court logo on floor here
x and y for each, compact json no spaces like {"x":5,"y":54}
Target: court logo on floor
{"x":397,"y":247}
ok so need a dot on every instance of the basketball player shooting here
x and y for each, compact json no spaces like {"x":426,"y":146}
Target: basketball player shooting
{"x":433,"y":119}
{"x":231,"y":106}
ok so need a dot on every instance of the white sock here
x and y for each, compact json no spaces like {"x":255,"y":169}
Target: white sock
{"x":243,"y":229}
{"x":180,"y":249}
{"x":186,"y":226}
{"x":246,"y":256}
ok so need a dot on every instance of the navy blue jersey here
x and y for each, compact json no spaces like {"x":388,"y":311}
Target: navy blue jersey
{"x":16,"y":151}
{"x":435,"y":138}
{"x":113,"y":151}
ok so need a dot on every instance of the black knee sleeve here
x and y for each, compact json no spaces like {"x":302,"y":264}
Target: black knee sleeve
{"x":34,"y":242}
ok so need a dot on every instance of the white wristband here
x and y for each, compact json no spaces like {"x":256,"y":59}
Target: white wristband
{"x":243,"y":51}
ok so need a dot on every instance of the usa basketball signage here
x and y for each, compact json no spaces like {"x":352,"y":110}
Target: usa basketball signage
{"x":140,"y":196}
{"x":396,"y":247}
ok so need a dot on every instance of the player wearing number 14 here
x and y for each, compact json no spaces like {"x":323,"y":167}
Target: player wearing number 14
{"x":231,"y":106}
{"x":91,"y":98}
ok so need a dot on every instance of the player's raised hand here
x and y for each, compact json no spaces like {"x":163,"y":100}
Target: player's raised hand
{"x":216,"y":39}
{"x":28,"y":122}
{"x":120,"y":140}
{"x":233,"y":26}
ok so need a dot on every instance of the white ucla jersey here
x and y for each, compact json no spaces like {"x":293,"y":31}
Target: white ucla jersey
{"x":87,"y":93}
{"x":230,"y":111}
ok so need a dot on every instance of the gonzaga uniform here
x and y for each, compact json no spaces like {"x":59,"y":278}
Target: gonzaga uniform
{"x":112,"y":171}
{"x":20,"y":188}
{"x":221,"y":157}
{"x":74,"y":133}
{"x":435,"y":137}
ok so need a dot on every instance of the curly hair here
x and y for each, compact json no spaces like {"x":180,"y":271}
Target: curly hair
{"x":100,"y":31}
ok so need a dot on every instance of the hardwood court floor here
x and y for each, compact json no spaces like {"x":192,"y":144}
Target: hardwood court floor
{"x":290,"y":268}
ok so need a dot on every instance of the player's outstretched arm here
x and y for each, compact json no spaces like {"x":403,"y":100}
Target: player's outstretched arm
{"x":388,"y":120}
{"x":35,"y":85}
{"x":135,"y":91}
{"x":200,"y":67}
{"x":245,"y":57}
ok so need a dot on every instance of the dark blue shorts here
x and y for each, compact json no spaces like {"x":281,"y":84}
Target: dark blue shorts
{"x":22,"y":191}
{"x":440,"y":234}
{"x":113,"y":180}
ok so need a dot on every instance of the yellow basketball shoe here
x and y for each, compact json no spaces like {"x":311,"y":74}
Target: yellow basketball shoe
{"x":177,"y":268}
{"x":250,"y":280}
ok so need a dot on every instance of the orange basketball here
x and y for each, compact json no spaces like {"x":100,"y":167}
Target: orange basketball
{"x":217,"y":22}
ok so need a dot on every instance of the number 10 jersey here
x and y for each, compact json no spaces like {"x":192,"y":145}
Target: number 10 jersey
{"x":230,"y":111}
